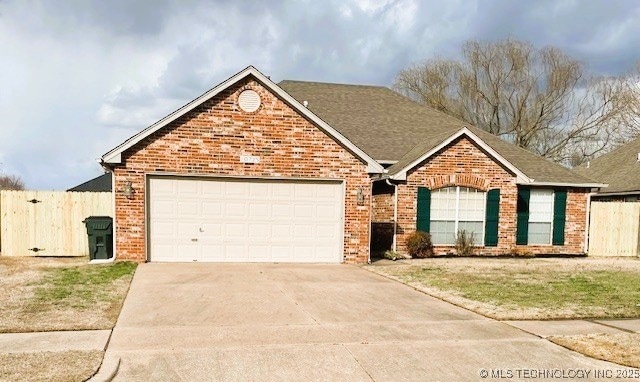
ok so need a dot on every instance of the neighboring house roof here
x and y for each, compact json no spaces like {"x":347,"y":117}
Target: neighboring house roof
{"x":393,"y":128}
{"x":619,"y":168}
{"x":101,"y":183}
{"x":115,"y":156}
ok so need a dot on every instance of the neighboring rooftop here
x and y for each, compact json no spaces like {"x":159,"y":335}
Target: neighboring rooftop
{"x":391,"y":127}
{"x":619,"y":168}
{"x":101,"y":183}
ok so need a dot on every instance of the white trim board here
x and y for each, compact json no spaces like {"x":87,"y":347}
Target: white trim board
{"x":115,"y":155}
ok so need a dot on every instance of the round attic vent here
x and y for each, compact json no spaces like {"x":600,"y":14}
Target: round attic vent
{"x":249,"y":101}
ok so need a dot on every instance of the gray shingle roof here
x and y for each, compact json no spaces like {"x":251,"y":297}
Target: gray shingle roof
{"x":389,"y":126}
{"x":619,"y":168}
{"x":101,"y":183}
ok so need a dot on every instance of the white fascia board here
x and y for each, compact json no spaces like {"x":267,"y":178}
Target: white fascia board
{"x":520,"y":176}
{"x":114,"y":156}
{"x":560,"y":184}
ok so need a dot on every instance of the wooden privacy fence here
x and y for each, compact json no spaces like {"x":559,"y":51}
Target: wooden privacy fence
{"x":48,"y":223}
{"x":614,"y":229}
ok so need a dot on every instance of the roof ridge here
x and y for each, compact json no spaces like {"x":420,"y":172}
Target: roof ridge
{"x":334,"y":83}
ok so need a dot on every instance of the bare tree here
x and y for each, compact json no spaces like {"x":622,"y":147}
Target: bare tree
{"x":11,"y":182}
{"x":539,"y":99}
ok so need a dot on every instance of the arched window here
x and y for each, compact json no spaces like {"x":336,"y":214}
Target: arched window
{"x":454,"y":209}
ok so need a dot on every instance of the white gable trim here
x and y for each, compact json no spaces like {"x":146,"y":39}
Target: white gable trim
{"x":115,"y":155}
{"x":520,"y":176}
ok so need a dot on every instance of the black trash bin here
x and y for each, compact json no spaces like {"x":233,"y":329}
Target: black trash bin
{"x":100,"y":232}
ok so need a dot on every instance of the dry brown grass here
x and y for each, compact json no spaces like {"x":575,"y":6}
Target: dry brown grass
{"x":526,"y":288}
{"x":621,"y":348}
{"x":26,"y":305}
{"x":63,"y":366}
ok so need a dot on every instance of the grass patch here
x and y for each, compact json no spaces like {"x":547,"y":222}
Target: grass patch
{"x":528,"y":289}
{"x":45,"y":294}
{"x":81,"y":287}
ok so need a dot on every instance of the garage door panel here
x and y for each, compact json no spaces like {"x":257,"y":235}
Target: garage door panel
{"x":304,"y":211}
{"x":259,"y":231}
{"x":235,"y":189}
{"x":235,"y":231}
{"x":236,"y":253}
{"x":188,"y":252}
{"x":326,"y":231}
{"x":187,"y":189}
{"x":260,"y":210}
{"x":303,"y":231}
{"x":164,"y":252}
{"x":259,"y":253}
{"x":281,"y":232}
{"x":245,"y":220}
{"x":212,"y":210}
{"x":211,"y":232}
{"x":281,"y":210}
{"x":259,"y":190}
{"x":164,"y":208}
{"x":212,"y":252}
{"x":187,"y":208}
{"x":162,"y":187}
{"x":281,"y":253}
{"x":236,"y":210}
{"x":212,"y":189}
{"x":282,"y":191}
{"x":164,"y":229}
{"x":327,"y":211}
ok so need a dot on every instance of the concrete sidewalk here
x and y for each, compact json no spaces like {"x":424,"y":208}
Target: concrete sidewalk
{"x":551,"y":328}
{"x":54,"y":341}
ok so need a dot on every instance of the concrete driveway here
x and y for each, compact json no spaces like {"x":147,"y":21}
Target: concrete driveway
{"x":277,"y":322}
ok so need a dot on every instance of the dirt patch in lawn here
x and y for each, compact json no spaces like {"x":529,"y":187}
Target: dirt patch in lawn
{"x":518,"y":289}
{"x":621,"y":348}
{"x":45,"y":294}
{"x":64,"y":366}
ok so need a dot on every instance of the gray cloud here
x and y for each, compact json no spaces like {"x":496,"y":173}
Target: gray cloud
{"x":83,"y":76}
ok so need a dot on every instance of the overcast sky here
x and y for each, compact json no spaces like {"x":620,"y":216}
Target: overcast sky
{"x":79,"y":77}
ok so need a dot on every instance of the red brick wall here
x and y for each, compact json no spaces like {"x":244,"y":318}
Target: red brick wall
{"x":209,"y":140}
{"x":464,"y":164}
{"x":382,"y":202}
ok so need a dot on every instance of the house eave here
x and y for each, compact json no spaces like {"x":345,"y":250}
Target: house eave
{"x":564,"y":184}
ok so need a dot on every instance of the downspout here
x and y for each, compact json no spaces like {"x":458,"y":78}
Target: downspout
{"x":395,"y":214}
{"x":586,"y":226}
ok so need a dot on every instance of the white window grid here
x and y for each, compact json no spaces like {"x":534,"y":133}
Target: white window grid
{"x":453,"y":207}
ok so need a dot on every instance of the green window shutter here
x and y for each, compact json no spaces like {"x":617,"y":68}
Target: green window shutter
{"x":423,"y":213}
{"x":559,"y":216}
{"x":522,"y":228}
{"x":492,"y":218}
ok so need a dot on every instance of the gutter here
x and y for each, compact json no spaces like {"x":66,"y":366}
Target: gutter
{"x":587,"y":223}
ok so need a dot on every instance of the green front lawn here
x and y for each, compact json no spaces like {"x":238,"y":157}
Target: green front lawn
{"x":528,"y":288}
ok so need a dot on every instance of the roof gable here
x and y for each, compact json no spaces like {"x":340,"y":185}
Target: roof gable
{"x":428,"y":148}
{"x":115,"y":155}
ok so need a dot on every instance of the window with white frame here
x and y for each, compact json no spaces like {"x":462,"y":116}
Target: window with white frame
{"x":455,"y":209}
{"x":540,"y":216}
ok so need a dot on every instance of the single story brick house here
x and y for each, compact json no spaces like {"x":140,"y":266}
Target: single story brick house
{"x":254,"y":171}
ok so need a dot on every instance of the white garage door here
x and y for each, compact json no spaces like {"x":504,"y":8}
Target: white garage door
{"x":239,"y":220}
